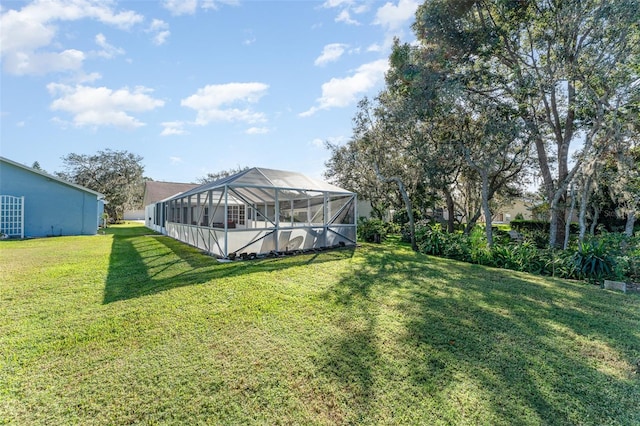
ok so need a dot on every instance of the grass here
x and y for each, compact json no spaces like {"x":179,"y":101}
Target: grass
{"x":135,"y":328}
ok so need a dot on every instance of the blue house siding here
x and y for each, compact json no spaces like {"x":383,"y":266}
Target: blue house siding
{"x":51,"y":206}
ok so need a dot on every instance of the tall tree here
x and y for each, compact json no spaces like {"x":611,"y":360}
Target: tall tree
{"x":493,"y":146}
{"x":380,"y":148}
{"x":116,"y":174}
{"x":560,"y":63}
{"x":482,"y":132}
{"x":344,"y":170}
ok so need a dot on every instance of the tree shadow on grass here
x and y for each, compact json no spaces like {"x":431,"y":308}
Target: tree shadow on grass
{"x":143,"y":263}
{"x":526,"y":350}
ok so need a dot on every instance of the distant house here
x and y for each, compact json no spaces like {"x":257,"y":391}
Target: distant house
{"x":155,"y":191}
{"x":517,"y":206}
{"x":37,"y":204}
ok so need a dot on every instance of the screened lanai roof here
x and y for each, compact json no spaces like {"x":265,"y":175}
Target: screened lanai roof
{"x":258,"y":183}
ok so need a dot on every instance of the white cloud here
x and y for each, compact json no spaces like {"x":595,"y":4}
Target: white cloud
{"x":181,"y":7}
{"x":213,"y":5}
{"x":375,"y":47}
{"x":257,"y":130}
{"x":331,"y":53}
{"x":189,"y":7}
{"x":173,"y":128}
{"x":101,"y":106}
{"x":340,"y":92}
{"x":160,"y":31}
{"x":161,"y":37}
{"x":318,"y":143}
{"x":393,"y":17}
{"x":33,"y":29}
{"x":216,"y":102}
{"x":336,"y":3}
{"x":347,"y":7}
{"x":87,"y":78}
{"x":345,"y":16}
{"x":108,"y":51}
{"x":176,"y":160}
{"x":21,"y":63}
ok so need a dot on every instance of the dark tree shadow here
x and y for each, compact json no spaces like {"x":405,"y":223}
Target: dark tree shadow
{"x":143,"y":263}
{"x":508,"y":334}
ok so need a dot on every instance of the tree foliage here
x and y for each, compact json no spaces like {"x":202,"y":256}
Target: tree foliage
{"x":212,"y":177}
{"x":116,"y":174}
{"x":566,"y":67}
{"x":487,"y":80}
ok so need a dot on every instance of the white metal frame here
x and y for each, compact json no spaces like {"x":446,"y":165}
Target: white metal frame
{"x":337,"y":225}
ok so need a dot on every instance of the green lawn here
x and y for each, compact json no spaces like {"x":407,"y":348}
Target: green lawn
{"x":134,"y":328}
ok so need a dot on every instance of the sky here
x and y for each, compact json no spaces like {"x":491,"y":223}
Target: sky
{"x":192,"y":86}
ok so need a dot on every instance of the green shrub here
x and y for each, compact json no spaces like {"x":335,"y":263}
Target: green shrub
{"x":593,"y":261}
{"x":530,"y":225}
{"x":372,"y":230}
{"x":501,"y":236}
{"x":538,"y":238}
{"x":430,"y":238}
{"x":392,"y":228}
{"x":558,"y":263}
{"x":523,"y":256}
{"x":605,"y":256}
{"x":538,"y":225}
{"x":477,"y":241}
{"x":405,"y":233}
{"x":457,"y":246}
{"x":626,"y":252}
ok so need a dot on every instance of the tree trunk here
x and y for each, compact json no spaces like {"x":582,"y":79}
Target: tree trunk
{"x":407,"y":203}
{"x":567,"y":226}
{"x":594,"y":223}
{"x":409,"y":207}
{"x":584,"y":202}
{"x":450,"y":210}
{"x":631,"y":220}
{"x":486,"y":209}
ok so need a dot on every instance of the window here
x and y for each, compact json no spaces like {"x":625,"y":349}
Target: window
{"x":236,"y":214}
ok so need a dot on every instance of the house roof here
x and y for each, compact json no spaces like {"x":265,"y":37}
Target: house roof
{"x":51,"y":177}
{"x":262,"y":178}
{"x":155,"y":191}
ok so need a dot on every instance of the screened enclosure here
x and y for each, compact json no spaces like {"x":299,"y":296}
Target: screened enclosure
{"x":258,"y":211}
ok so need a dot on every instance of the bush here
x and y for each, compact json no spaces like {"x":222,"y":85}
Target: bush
{"x":457,"y":246}
{"x":372,"y":230}
{"x":392,"y":228}
{"x":593,"y":261}
{"x":538,"y":225}
{"x":430,"y":238}
{"x":530,"y":225}
{"x":606,"y":256}
{"x":626,"y":253}
{"x":538,"y":238}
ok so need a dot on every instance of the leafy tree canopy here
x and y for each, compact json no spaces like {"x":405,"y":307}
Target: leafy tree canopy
{"x":116,"y":174}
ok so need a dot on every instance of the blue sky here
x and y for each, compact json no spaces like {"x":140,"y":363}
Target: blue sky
{"x":193,"y":86}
